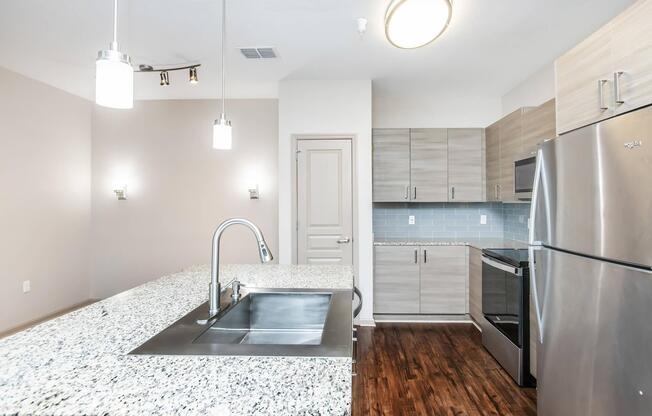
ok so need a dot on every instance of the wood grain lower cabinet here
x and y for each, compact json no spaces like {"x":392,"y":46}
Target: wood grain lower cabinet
{"x":475,"y":284}
{"x":443,"y":280}
{"x":396,"y":279}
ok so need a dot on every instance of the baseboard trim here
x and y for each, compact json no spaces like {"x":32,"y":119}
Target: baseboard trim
{"x":422,"y":318}
{"x":365,"y":322}
{"x":45,"y":318}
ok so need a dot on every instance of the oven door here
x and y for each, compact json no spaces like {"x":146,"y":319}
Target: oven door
{"x":502,"y":300}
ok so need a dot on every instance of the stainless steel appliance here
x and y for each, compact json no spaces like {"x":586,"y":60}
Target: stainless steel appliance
{"x":591,"y":269}
{"x":505,"y":306}
{"x":524,"y":177}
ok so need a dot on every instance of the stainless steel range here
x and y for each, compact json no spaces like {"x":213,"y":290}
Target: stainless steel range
{"x":505,"y":306}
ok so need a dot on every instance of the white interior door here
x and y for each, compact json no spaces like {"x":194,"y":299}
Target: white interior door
{"x":324,"y":201}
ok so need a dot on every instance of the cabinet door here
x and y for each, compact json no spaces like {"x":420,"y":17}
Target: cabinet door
{"x":465,"y":165}
{"x":632,"y":55}
{"x":510,"y":149}
{"x":429,"y":149}
{"x":578,"y":74}
{"x":443,"y":280}
{"x":391,"y":165}
{"x":396,"y":279}
{"x":492,"y":140}
{"x":538,"y":125}
{"x":475,"y":284}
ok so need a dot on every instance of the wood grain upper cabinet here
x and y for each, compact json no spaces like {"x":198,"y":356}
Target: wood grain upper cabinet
{"x":429,"y":173}
{"x":465,"y":165}
{"x":510,"y":150}
{"x":631,"y":51}
{"x":396,"y":279}
{"x":391,"y":165}
{"x":608,"y":73}
{"x":538,"y":125}
{"x":475,"y":284}
{"x":583,"y":82}
{"x":492,"y":138}
{"x":444,"y":280}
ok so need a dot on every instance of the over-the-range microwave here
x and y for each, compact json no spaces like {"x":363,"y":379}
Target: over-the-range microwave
{"x":524,"y":170}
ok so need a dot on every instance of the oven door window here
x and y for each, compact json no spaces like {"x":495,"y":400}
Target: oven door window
{"x":501,"y":301}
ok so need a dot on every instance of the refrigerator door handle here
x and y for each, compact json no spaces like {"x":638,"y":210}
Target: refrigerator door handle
{"x":535,"y":197}
{"x":535,"y":291}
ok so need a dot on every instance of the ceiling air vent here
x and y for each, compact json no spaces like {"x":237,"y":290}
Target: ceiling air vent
{"x":258,"y":53}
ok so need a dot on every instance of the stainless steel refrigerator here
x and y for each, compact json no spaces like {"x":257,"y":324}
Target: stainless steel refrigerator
{"x":591,"y":269}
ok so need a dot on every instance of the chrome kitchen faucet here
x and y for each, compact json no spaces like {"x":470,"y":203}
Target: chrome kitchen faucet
{"x":214,"y":287}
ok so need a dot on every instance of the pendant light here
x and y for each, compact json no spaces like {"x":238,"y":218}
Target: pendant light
{"x":222,"y":127}
{"x":114,"y":75}
{"x":411,"y":24}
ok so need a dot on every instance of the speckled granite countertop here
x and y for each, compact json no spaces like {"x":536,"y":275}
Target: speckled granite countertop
{"x":77,"y":364}
{"x":479,"y":243}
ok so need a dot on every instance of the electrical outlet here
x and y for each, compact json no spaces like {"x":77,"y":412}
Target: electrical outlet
{"x":521,"y":219}
{"x":27,"y":286}
{"x":483,"y":219}
{"x":411,"y":220}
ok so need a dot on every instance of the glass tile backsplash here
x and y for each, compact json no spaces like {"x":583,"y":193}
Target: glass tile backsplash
{"x":451,"y":220}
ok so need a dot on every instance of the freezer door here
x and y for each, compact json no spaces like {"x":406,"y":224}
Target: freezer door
{"x":594,"y":195}
{"x":594,"y":358}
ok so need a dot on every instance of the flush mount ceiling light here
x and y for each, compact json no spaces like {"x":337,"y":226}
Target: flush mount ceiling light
{"x":114,"y":75}
{"x":222,"y":138}
{"x":411,"y":24}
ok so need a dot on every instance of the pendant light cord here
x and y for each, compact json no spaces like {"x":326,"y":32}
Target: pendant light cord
{"x":114,"y":44}
{"x":223,"y":65}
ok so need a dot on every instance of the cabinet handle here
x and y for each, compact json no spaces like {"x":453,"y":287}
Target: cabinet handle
{"x":617,"y":96}
{"x":452,"y":192}
{"x":415,"y":193}
{"x":416,"y":256}
{"x":425,"y":256}
{"x":407,"y":192}
{"x":603,"y":105}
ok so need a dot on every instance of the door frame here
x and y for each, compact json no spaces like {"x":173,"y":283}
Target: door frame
{"x":295,"y":187}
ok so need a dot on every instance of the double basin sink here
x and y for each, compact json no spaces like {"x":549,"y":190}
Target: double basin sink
{"x":263,"y":322}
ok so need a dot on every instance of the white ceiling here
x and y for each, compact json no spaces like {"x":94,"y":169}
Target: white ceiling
{"x":490,"y":46}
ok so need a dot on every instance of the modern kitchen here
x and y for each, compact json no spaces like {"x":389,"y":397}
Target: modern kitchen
{"x":396,"y":207}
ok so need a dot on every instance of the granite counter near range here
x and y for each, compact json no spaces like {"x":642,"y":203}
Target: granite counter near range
{"x":79,"y":363}
{"x":479,"y":243}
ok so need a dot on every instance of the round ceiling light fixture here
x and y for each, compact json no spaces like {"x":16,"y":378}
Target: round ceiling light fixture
{"x":411,"y":24}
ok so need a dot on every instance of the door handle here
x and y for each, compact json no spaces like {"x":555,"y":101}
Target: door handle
{"x":415,"y":193}
{"x":617,"y":96}
{"x":603,"y":105}
{"x":344,"y":240}
{"x":425,"y":256}
{"x":407,"y":192}
{"x":416,"y":256}
{"x":452,"y":192}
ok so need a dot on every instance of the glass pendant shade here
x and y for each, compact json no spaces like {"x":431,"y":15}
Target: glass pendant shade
{"x":412,"y":24}
{"x":114,"y":80}
{"x":222,"y":138}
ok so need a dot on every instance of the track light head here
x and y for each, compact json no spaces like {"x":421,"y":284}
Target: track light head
{"x":193,"y":76}
{"x":165,"y":78}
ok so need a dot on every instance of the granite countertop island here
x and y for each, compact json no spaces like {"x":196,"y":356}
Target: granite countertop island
{"x":77,"y":364}
{"x":479,"y":243}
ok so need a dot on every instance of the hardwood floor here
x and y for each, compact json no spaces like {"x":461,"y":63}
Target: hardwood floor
{"x":432,"y":369}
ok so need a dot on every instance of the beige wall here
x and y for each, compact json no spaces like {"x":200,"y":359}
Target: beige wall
{"x":45,"y":168}
{"x":179,"y":188}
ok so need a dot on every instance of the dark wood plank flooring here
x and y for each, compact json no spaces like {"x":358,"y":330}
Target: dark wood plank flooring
{"x":432,"y":369}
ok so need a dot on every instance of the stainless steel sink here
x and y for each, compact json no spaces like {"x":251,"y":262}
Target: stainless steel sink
{"x":272,"y":322}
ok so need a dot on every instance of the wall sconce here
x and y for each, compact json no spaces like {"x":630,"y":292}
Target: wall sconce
{"x":253,"y":193}
{"x":121,"y":193}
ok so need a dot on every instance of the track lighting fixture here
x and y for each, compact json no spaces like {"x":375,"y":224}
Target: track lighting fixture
{"x":165,"y":70}
{"x":165,"y":78}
